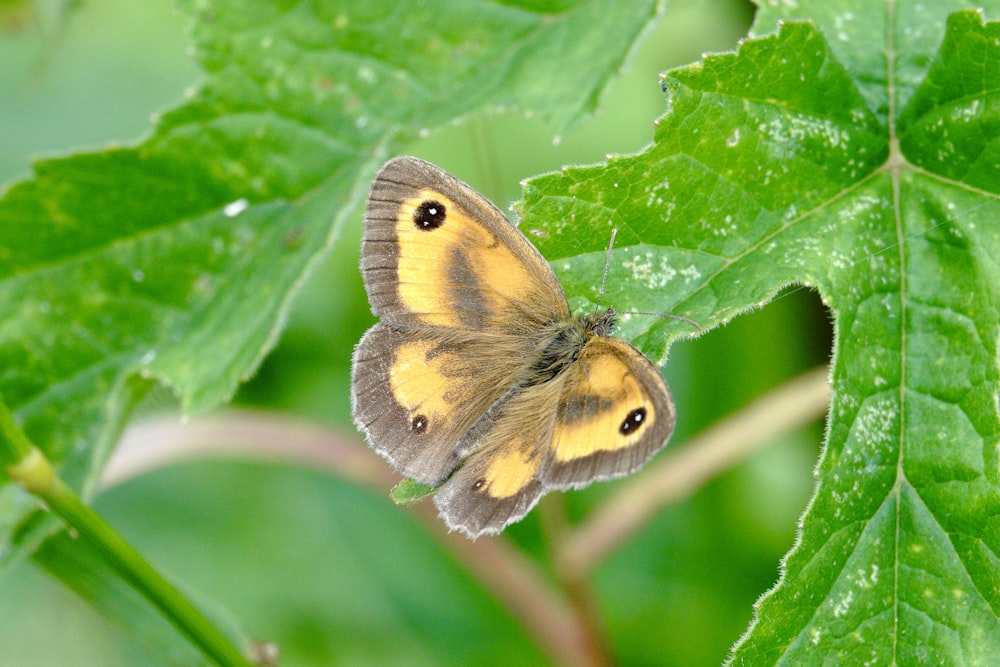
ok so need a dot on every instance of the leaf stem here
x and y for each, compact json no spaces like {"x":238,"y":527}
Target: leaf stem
{"x":28,"y":466}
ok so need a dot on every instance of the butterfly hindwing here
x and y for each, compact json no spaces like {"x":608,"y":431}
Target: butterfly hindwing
{"x":500,"y":481}
{"x":614,"y":413}
{"x":411,"y":397}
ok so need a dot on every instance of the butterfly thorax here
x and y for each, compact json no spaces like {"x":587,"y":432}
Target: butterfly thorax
{"x":600,"y":324}
{"x":562,"y":346}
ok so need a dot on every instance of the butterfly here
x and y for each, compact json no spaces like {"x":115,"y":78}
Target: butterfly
{"x":477,"y":380}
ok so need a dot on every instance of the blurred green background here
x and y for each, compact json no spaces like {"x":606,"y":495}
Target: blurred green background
{"x":332,"y":572}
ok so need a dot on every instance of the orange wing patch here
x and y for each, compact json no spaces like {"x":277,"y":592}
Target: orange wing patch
{"x":453,"y":272}
{"x":605,"y":409}
{"x":510,"y":470}
{"x":418,"y":382}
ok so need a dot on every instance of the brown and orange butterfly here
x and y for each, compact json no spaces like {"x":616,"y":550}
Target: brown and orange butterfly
{"x":478,"y":380}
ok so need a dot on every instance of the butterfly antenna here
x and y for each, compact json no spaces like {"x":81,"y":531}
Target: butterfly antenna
{"x":669,"y":317}
{"x":607,"y":266}
{"x":604,"y":280}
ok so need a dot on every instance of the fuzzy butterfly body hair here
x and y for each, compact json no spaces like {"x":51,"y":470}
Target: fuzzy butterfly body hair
{"x":478,"y":381}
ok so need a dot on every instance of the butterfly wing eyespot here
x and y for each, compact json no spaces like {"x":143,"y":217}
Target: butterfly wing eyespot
{"x":418,"y":424}
{"x":429,"y":214}
{"x":633,"y":421}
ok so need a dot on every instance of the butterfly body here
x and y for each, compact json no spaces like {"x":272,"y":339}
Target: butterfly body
{"x":478,"y":379}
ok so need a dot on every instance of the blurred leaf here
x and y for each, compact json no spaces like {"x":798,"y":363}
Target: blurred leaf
{"x":84,"y":570}
{"x":334,"y":573}
{"x":785,"y":164}
{"x":175,"y":260}
{"x":15,"y":14}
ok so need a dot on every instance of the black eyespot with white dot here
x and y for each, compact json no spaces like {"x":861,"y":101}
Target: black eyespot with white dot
{"x":633,"y":421}
{"x":479,"y":484}
{"x":419,"y":424}
{"x":429,"y":215}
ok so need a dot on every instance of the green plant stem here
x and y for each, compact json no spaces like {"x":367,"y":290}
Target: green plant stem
{"x":28,"y":466}
{"x":14,"y":444}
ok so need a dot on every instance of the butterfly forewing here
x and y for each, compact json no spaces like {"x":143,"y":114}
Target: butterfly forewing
{"x":434,"y":252}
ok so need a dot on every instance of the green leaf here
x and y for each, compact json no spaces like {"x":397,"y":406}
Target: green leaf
{"x":802,"y":160}
{"x":174,"y":261}
{"x":408,"y":492}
